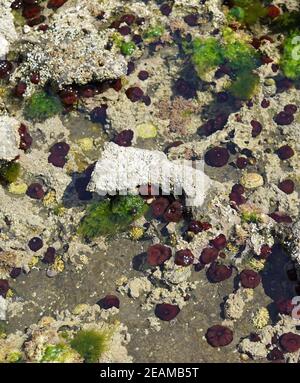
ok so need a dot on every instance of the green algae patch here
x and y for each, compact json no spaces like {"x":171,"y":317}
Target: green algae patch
{"x":109,"y":217}
{"x":127,"y":48}
{"x":244,"y":86}
{"x":250,"y":217}
{"x":248,"y":12}
{"x":90,"y":344}
{"x":9,"y":172}
{"x":59,"y":353}
{"x":154,"y":33}
{"x":290,"y":61}
{"x":206,"y":55}
{"x":240,"y":56}
{"x":14,"y":357}
{"x":42,"y":106}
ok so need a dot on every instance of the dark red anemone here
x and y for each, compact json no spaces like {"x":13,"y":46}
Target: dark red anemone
{"x":185,"y":89}
{"x":61,"y":148}
{"x":290,"y":109}
{"x":159,"y":206}
{"x":219,"y":336}
{"x":20,"y":89}
{"x":54,"y":4}
{"x":35,"y":191}
{"x":158,"y":254}
{"x":35,"y":244}
{"x":250,"y":279}
{"x":275,"y":355}
{"x":15,"y":272}
{"x":208,"y":255}
{"x":134,"y":94}
{"x":265,"y":251}
{"x":218,"y":273}
{"x":281,"y":217}
{"x":174,"y":212}
{"x":4,"y":287}
{"x":166,"y":312}
{"x":217,"y":157}
{"x":31,"y":11}
{"x":69,"y":96}
{"x":237,"y":198}
{"x":256,"y":128}
{"x":124,"y":138}
{"x":58,"y":154}
{"x":25,"y":137}
{"x":197,"y":226}
{"x":6,"y":68}
{"x":219,"y":242}
{"x":290,"y":342}
{"x":191,"y":19}
{"x":242,"y":162}
{"x":284,"y":118}
{"x":284,"y":306}
{"x":287,"y":186}
{"x":238,"y":188}
{"x":49,"y":256}
{"x":99,"y":114}
{"x":285,"y":152}
{"x":184,"y":258}
{"x":165,"y":9}
{"x":108,"y":302}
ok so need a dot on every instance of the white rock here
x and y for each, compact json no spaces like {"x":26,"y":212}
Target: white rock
{"x":123,"y":169}
{"x":9,"y":138}
{"x":8,"y":32}
{"x":4,"y":47}
{"x":3,"y":308}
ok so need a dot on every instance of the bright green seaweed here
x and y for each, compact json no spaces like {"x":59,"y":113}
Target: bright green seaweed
{"x":109,"y":217}
{"x":90,"y":344}
{"x":290,"y":61}
{"x":41,"y":106}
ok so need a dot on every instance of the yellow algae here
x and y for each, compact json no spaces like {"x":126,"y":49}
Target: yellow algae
{"x":261,"y":318}
{"x":33,"y":262}
{"x":58,"y":265}
{"x":257,"y":264}
{"x":18,"y":188}
{"x":86,"y":144}
{"x":136,"y":233}
{"x":50,"y":198}
{"x":146,"y":130}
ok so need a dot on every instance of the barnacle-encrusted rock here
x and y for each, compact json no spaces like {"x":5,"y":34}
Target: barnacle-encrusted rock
{"x":260,"y":349}
{"x":252,"y":180}
{"x":235,"y":303}
{"x":261,"y":318}
{"x":46,"y":342}
{"x":72,"y":50}
{"x":9,"y":138}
